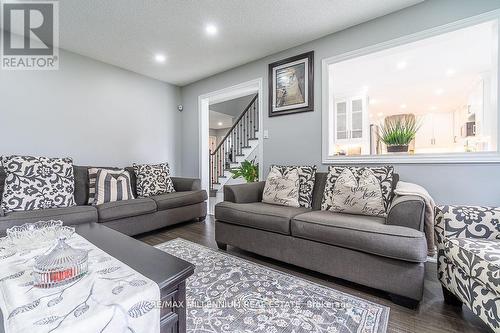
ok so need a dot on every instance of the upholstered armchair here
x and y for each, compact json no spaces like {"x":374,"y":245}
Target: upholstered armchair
{"x":468,"y":241}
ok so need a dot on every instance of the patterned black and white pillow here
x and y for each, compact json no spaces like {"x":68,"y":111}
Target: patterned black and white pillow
{"x":93,"y":176}
{"x":282,"y":188}
{"x":112,"y":186}
{"x":153,"y":179}
{"x":383,"y":174}
{"x":307,"y":176}
{"x":37,"y":183}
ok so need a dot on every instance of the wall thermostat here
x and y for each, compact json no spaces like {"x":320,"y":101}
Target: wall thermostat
{"x":180,"y":107}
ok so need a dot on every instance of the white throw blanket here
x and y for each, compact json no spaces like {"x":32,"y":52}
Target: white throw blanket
{"x":112,"y":298}
{"x":403,"y":188}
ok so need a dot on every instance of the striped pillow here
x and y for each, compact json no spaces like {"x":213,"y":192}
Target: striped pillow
{"x":93,"y":176}
{"x":110,"y":186}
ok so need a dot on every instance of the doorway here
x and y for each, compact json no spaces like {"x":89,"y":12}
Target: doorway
{"x":230,"y":132}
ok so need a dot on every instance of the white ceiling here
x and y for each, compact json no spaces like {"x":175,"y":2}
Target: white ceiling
{"x":233,"y":107}
{"x":219,"y":120}
{"x":128,"y":33}
{"x":468,"y":52}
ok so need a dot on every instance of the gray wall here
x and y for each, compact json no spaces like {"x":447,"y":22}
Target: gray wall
{"x":296,"y":139}
{"x":218,"y":132}
{"x":233,"y":107}
{"x":96,"y":113}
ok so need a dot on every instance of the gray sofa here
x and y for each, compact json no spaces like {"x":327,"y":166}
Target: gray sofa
{"x":386,"y":254}
{"x":130,"y":217}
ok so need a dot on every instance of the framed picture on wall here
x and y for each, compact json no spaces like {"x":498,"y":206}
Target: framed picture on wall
{"x":291,"y":85}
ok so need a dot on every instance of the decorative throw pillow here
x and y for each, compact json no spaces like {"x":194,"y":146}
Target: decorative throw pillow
{"x":37,"y":183}
{"x":93,"y":176}
{"x":153,"y":179}
{"x":112,"y":186}
{"x":361,"y":190}
{"x":307,"y":176}
{"x":282,"y":188}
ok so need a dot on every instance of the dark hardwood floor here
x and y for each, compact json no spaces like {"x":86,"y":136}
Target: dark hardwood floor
{"x":433,"y":315}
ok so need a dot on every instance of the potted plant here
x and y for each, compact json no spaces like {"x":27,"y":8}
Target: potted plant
{"x":248,"y":170}
{"x":398,"y":133}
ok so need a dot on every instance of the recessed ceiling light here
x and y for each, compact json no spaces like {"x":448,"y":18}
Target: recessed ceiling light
{"x":380,"y":114}
{"x":211,"y":29}
{"x":219,"y":123}
{"x":439,"y":91}
{"x":403,"y":106}
{"x":161,"y":58}
{"x":402,"y":65}
{"x":450,"y":72}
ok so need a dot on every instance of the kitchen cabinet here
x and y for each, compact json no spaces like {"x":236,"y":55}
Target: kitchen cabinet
{"x":436,"y":132}
{"x":351,"y":120}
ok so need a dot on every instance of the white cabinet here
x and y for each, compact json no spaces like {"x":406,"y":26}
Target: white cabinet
{"x":351,"y":120}
{"x":341,"y":132}
{"x":436,"y":132}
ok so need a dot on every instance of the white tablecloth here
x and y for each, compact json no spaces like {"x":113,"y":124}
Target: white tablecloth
{"x":111,"y":298}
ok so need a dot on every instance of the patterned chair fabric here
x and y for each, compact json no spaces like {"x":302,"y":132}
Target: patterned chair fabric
{"x":468,"y":241}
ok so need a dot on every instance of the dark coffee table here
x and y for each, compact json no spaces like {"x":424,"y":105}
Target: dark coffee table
{"x":169,"y":272}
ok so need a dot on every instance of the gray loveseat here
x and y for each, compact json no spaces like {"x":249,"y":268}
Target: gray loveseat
{"x":386,"y":254}
{"x":130,"y":217}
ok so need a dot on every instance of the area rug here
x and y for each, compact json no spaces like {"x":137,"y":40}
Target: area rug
{"x":230,"y":294}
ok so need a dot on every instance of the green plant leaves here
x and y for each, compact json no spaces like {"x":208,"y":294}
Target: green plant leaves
{"x":399,"y":132}
{"x":249,"y":170}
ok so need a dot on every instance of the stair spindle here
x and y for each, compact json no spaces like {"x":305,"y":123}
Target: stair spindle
{"x":232,"y":147}
{"x":247,"y":132}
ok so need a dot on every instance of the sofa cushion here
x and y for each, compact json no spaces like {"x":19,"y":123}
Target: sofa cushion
{"x":37,"y":183}
{"x":381,"y":175}
{"x":133,"y":180}
{"x":111,"y":186}
{"x":282,"y":187}
{"x":126,"y":208}
{"x":179,"y":199}
{"x":2,"y":180}
{"x":92,"y":186}
{"x":319,"y":188}
{"x":307,"y":175}
{"x":258,"y":215}
{"x":69,"y":215}
{"x":364,"y":233}
{"x":357,"y":194}
{"x":153,"y":179}
{"x":81,"y":184}
{"x":477,"y":258}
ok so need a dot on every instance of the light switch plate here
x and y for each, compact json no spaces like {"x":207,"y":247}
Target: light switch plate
{"x":266,"y":134}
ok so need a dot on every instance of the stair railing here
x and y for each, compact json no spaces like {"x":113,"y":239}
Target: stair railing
{"x":237,"y":138}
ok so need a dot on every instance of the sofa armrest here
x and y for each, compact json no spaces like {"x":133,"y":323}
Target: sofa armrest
{"x":244,"y":193}
{"x":407,"y":211}
{"x":467,"y":222}
{"x":186,"y":184}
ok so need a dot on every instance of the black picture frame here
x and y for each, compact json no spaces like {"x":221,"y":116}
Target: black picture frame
{"x":300,"y":83}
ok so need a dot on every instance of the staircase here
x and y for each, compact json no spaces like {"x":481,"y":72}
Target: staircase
{"x":237,"y":145}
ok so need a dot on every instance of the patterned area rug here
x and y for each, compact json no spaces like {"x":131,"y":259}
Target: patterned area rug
{"x":230,"y":294}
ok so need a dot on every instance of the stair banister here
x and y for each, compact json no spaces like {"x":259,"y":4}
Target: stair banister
{"x":233,"y":142}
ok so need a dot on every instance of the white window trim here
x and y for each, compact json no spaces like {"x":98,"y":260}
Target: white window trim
{"x":327,"y":121}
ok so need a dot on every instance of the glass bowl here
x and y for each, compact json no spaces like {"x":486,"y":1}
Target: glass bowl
{"x":30,"y":236}
{"x":61,"y":265}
